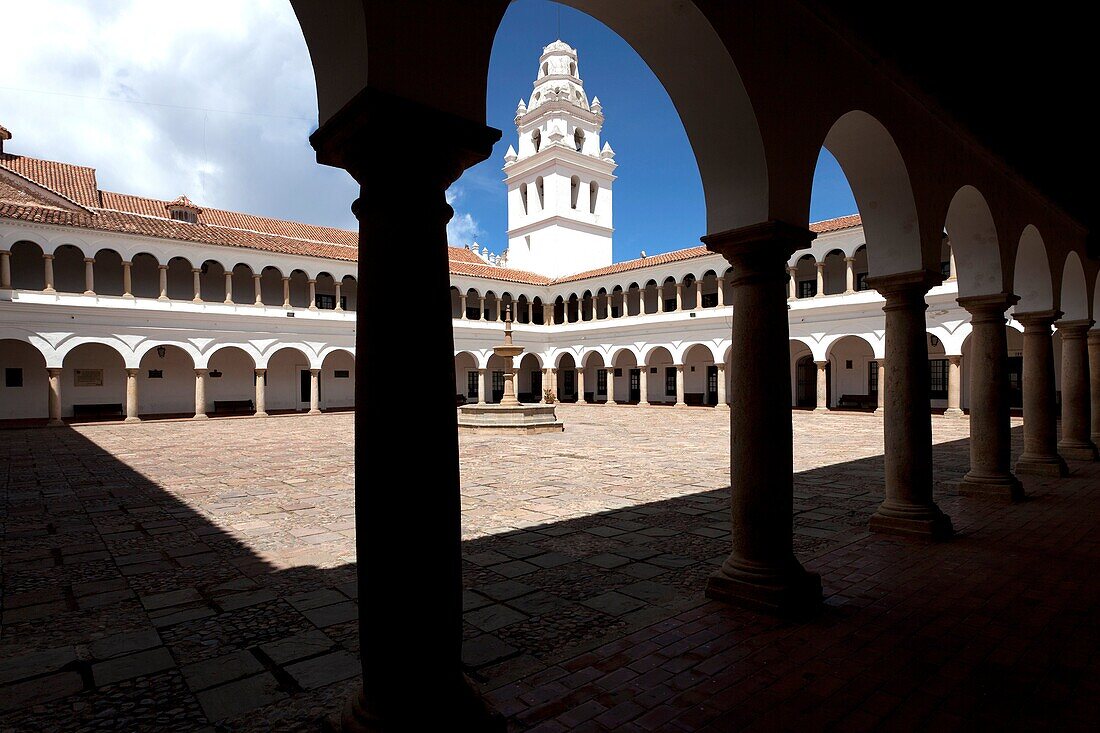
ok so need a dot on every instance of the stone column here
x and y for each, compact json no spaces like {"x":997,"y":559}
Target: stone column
{"x":596,"y":308}
{"x":412,"y":671}
{"x":462,"y":306}
{"x":1076,"y":443}
{"x":55,"y":397}
{"x":908,"y":507}
{"x":954,"y":386}
{"x":792,"y":283}
{"x":47,"y":273}
{"x":530,"y":312}
{"x":312,"y":295}
{"x":722,"y":404}
{"x":132,"y":396}
{"x":286,"y":293}
{"x":990,"y":430}
{"x":314,"y":392}
{"x":163,"y":271}
{"x":1094,"y":383}
{"x":679,"y":296}
{"x":200,"y":394}
{"x":849,"y":274}
{"x":698,"y":295}
{"x":89,"y":275}
{"x":721,"y":292}
{"x":257,"y":288}
{"x":822,"y":404}
{"x":643,"y":386}
{"x":1040,"y":454}
{"x":196,"y":284}
{"x":953,"y":275}
{"x":480,"y":308}
{"x":5,"y":269}
{"x":880,"y":403}
{"x":483,"y":386}
{"x":761,"y":571}
{"x":229,"y":287}
{"x":580,"y":387}
{"x":261,"y":393}
{"x":542,"y":389}
{"x":680,"y":386}
{"x":820,"y":279}
{"x":552,"y":381}
{"x":337,"y":287}
{"x":127,"y":280}
{"x":611,"y":386}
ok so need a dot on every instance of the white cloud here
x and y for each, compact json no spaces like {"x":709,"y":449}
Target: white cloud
{"x":227,"y":101}
{"x":462,"y":229}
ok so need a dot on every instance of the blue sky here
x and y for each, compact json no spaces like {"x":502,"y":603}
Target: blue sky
{"x":657,"y":171}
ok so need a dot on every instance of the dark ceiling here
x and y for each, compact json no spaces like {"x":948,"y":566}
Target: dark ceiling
{"x":1020,"y":78}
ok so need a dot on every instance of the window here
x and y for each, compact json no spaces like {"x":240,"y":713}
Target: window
{"x":710,"y":300}
{"x":523,"y":196}
{"x":328,"y":302}
{"x":578,"y":143}
{"x":937,"y":383}
{"x":471,"y":384}
{"x":536,"y":139}
{"x":498,"y":381}
{"x":807,"y":288}
{"x":601,"y":381}
{"x":13,"y":377}
{"x":539,"y":190}
{"x":568,"y":382}
{"x":861,"y":281}
{"x":574,"y":190}
{"x":670,"y":380}
{"x":156,"y":374}
{"x":670,"y":305}
{"x":342,"y":374}
{"x":847,"y":363}
{"x":872,"y":377}
{"x":593,"y":192}
{"x":182,"y":215}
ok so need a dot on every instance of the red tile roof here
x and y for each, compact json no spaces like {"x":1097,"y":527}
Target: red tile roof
{"x":75,"y":182}
{"x":504,"y":274}
{"x":463,"y":254}
{"x":834,"y":225}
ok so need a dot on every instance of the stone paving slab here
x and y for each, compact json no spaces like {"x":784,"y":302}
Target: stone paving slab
{"x":212,"y":581}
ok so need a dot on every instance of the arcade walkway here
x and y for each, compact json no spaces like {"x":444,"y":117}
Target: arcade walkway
{"x":211,"y":583}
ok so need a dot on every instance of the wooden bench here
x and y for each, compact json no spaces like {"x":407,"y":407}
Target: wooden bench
{"x":858,"y":401}
{"x":102,"y":410}
{"x":234,"y":407}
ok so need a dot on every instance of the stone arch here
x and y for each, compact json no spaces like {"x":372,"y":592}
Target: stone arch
{"x":467,"y":386}
{"x":27,"y":267}
{"x":1031,"y":278}
{"x":271,"y":286}
{"x":145,"y":275}
{"x":244,"y":284}
{"x":853,"y":367}
{"x":974,"y":243}
{"x":166,"y":379}
{"x":107,"y":272}
{"x":27,"y":395}
{"x":803,"y":379}
{"x":337,"y":379}
{"x":231,"y":376}
{"x":93,"y":373}
{"x":180,"y":279}
{"x":68,"y":268}
{"x":879,"y":179}
{"x":1073,"y":294}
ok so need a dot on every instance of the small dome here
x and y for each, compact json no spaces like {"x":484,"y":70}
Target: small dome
{"x":559,"y":46}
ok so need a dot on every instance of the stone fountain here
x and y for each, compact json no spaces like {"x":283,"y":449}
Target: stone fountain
{"x":511,"y":415}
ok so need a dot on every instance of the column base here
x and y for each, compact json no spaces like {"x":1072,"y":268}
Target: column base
{"x":468,"y":712}
{"x":1006,"y":487}
{"x":581,"y":402}
{"x":89,"y":292}
{"x":680,"y":404}
{"x":722,"y":406}
{"x":1077,"y":451}
{"x":261,"y":414}
{"x":1042,"y":466}
{"x":55,"y":424}
{"x":314,"y":412}
{"x":953,"y":412}
{"x":926,"y":522}
{"x":128,"y":295}
{"x":163,"y":297}
{"x":132,"y":419}
{"x":201,"y":417}
{"x":790,"y":592}
{"x":879,"y":411}
{"x":611,"y":403}
{"x":821,"y":409}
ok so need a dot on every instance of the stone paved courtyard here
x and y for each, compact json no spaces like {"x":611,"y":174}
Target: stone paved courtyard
{"x":199,"y":576}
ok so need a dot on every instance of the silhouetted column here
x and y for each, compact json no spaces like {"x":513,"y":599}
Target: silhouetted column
{"x":257,"y":289}
{"x":820,"y":278}
{"x":483,"y":386}
{"x":954,"y":386}
{"x":261,"y":393}
{"x":162,"y":271}
{"x":908,"y":507}
{"x":314,"y":391}
{"x":337,"y":286}
{"x":822,"y":386}
{"x":200,"y":394}
{"x":1040,"y":454}
{"x":5,"y":269}
{"x":312,"y":295}
{"x":580,"y":387}
{"x":196,"y":284}
{"x":54,"y":397}
{"x":761,"y":571}
{"x":229,"y":287}
{"x":1094,"y":383}
{"x":722,"y":404}
{"x":127,"y":279}
{"x":643,"y":387}
{"x":89,"y":276}
{"x":286,"y":292}
{"x":990,"y":430}
{"x":849,"y":274}
{"x":47,"y":274}
{"x":132,"y":396}
{"x":880,"y":402}
{"x":680,"y":386}
{"x":1076,"y":443}
{"x":412,"y":671}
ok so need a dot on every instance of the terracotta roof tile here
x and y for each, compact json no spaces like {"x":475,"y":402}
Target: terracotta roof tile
{"x":461,"y":254}
{"x":76,"y":182}
{"x":503,"y":274}
{"x":14,"y":194}
{"x":833,"y":225}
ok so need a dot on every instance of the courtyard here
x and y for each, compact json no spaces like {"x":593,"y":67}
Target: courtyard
{"x":184,"y":575}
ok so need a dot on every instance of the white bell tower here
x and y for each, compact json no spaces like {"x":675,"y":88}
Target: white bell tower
{"x":559,"y":183}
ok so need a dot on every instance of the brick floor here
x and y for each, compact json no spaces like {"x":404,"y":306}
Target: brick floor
{"x":178,"y":576}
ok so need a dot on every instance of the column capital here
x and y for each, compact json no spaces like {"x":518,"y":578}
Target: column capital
{"x":196,"y":270}
{"x":717,"y":365}
{"x":312,"y":281}
{"x":201,"y":372}
{"x":850,"y":260}
{"x":161,"y":267}
{"x":1094,"y":336}
{"x":955,"y":359}
{"x":819,"y":264}
{"x":988,"y":308}
{"x":1038,"y":320}
{"x":127,"y":263}
{"x":89,"y":260}
{"x":261,"y":371}
{"x":349,"y":138}
{"x":822,"y":364}
{"x":1076,"y":328}
{"x":314,"y":371}
{"x":767,"y":239}
{"x":132,"y":372}
{"x":46,"y":256}
{"x":901,"y":285}
{"x":54,"y":371}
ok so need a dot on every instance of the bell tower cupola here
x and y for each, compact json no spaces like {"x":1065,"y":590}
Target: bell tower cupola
{"x":558,"y":176}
